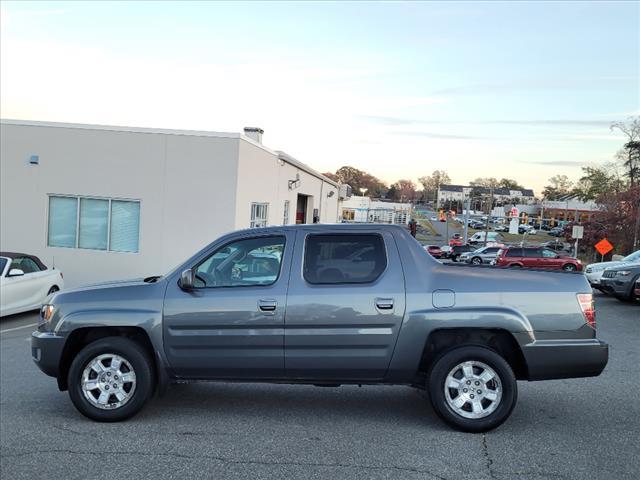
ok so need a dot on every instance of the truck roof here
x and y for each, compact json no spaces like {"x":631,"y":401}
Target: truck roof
{"x":327,"y":226}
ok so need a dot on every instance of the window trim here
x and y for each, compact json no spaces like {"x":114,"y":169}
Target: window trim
{"x":345,"y":234}
{"x":241,"y":239}
{"x":93,"y":197}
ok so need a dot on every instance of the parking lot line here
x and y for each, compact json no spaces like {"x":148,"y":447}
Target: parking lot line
{"x":18,"y":328}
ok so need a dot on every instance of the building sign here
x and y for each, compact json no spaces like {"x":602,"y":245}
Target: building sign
{"x":603,"y":247}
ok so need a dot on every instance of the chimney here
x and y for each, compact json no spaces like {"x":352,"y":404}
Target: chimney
{"x":254,"y":133}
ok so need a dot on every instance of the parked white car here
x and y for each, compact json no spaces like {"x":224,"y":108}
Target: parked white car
{"x":594,"y":271}
{"x":25,"y":282}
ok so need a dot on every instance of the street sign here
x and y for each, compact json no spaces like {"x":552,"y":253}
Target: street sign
{"x":577,"y":232}
{"x":603,"y":247}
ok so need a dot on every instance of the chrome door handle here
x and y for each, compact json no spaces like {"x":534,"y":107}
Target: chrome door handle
{"x":267,"y":305}
{"x":384,"y":303}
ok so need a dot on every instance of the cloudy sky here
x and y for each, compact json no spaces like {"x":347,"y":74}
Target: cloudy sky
{"x":522,"y":90}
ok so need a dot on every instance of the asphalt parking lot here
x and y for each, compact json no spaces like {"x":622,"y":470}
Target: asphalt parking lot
{"x":581,"y":428}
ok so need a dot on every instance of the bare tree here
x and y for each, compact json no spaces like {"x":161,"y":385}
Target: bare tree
{"x":630,"y":154}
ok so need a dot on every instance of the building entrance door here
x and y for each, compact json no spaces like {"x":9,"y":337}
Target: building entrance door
{"x":301,"y":209}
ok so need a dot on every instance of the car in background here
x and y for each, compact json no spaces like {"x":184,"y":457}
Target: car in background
{"x":458,"y":250}
{"x":456,"y":239}
{"x":636,"y":290}
{"x":594,"y":271}
{"x":537,"y":257}
{"x":482,"y":255}
{"x":501,"y":228}
{"x":555,"y":245}
{"x":434,"y":218}
{"x":434,"y":251}
{"x":25,"y":282}
{"x":526,"y":229}
{"x":481,"y":237}
{"x":621,"y":281}
{"x":556,"y":232}
{"x":446,"y":251}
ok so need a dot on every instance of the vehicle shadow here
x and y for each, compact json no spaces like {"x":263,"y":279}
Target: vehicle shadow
{"x":400,"y":406}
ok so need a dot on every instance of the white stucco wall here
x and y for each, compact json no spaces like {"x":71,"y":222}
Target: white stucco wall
{"x":179,"y":180}
{"x":263,"y":177}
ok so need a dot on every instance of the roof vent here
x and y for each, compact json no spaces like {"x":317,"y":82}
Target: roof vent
{"x":254,"y":133}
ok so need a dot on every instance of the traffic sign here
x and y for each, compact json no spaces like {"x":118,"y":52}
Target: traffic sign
{"x":603,"y":246}
{"x":577,"y":232}
{"x":514,"y":211}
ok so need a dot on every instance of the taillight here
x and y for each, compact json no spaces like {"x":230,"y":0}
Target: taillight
{"x":588,"y":308}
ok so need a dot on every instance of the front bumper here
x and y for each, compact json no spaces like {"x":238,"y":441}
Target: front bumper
{"x":549,"y":359}
{"x":594,"y":278}
{"x":46,"y":351}
{"x":617,"y":286}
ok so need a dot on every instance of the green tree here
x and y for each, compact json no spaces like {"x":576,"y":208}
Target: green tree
{"x":559,"y":185}
{"x":404,"y":191}
{"x":431,"y":184}
{"x":488,"y":182}
{"x":597,"y":181}
{"x":510,"y":184}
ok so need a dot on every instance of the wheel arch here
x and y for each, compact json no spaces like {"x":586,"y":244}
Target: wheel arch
{"x":501,"y":341}
{"x":83,"y":336}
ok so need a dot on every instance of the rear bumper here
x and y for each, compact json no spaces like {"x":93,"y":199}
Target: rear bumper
{"x":46,"y":351}
{"x":549,"y":359}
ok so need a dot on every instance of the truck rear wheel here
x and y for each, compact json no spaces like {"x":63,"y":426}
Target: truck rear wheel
{"x":110,"y":379}
{"x":473,"y":389}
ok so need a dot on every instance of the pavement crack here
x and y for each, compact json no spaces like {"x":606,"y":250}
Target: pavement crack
{"x":230,"y":461}
{"x":487,"y":457}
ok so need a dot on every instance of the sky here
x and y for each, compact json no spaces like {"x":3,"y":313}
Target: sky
{"x":524,"y":90}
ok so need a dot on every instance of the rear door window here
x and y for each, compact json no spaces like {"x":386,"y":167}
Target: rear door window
{"x":335,"y":259}
{"x":532,"y":252}
{"x":514,"y":252}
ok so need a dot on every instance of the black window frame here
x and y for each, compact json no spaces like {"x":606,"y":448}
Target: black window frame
{"x":378,"y":237}
{"x":235,"y":240}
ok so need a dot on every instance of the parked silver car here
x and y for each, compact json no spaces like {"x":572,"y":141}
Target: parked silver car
{"x":480,"y":256}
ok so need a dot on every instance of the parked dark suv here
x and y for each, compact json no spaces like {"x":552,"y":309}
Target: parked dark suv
{"x":537,"y":257}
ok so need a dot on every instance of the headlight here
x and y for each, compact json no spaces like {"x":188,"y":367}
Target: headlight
{"x":46,"y":312}
{"x":623,"y":273}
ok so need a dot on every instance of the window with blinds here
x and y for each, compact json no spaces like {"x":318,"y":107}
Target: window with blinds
{"x":94,"y":223}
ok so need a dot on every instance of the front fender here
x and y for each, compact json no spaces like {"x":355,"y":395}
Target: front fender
{"x":418,"y":324}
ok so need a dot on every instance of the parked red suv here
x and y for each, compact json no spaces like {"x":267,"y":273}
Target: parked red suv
{"x":537,"y":257}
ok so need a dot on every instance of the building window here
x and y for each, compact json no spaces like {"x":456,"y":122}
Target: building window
{"x":285,"y":219}
{"x":348,"y":215}
{"x":259,"y":215}
{"x":94,"y":223}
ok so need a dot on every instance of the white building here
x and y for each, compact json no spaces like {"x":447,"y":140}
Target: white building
{"x":364,"y":209}
{"x":112,"y":202}
{"x":452,"y":194}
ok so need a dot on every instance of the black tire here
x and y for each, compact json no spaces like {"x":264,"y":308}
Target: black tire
{"x":515,"y":265}
{"x":53,"y":289}
{"x":569,"y":267}
{"x":454,"y":258}
{"x":448,"y":361}
{"x":476,"y":261}
{"x":137,"y":357}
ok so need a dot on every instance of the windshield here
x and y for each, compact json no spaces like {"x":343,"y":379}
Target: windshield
{"x":634,"y":257}
{"x":3,"y":263}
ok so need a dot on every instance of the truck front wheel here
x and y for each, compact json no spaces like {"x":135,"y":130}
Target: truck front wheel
{"x":110,"y":379}
{"x":473,"y":389}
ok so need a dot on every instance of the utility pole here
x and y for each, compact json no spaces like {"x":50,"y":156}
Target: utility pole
{"x":466,"y":220}
{"x":486,"y":230}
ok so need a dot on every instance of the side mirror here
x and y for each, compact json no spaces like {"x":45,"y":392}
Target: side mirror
{"x":15,"y":272}
{"x":187,"y":279}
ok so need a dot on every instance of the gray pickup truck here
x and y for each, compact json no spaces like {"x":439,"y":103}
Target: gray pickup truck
{"x":323,"y":305}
